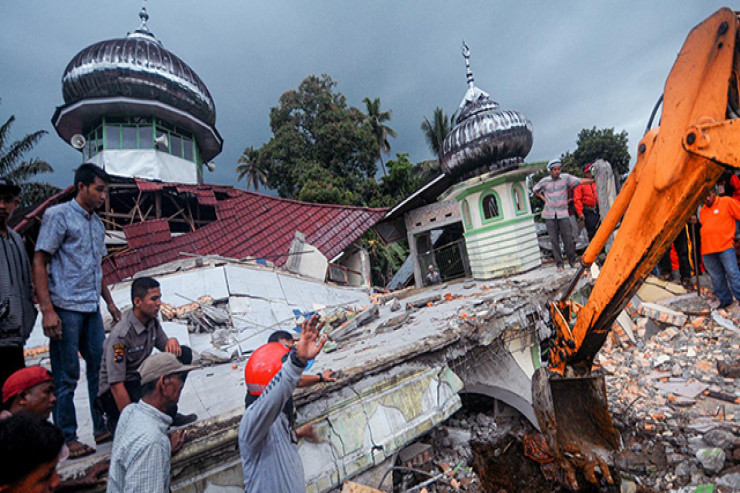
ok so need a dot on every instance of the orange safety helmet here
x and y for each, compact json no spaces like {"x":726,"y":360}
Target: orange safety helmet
{"x":263,"y":364}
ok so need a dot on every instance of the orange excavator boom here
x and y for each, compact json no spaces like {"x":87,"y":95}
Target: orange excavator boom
{"x":677,"y":163}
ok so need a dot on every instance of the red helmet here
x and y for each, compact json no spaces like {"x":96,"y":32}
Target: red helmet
{"x":263,"y":364}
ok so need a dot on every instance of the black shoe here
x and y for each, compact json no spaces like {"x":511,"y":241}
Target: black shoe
{"x":184,"y":419}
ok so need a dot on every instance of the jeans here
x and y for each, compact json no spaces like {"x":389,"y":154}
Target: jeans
{"x":557,"y":228}
{"x":723,"y":269}
{"x":81,"y":332}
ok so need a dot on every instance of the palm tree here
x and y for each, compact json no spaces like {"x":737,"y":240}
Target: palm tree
{"x":14,"y":167}
{"x":436,"y":130}
{"x":248,"y":166}
{"x":381,"y":131}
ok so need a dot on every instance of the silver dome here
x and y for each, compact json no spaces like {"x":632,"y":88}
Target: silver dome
{"x":137,"y":66}
{"x":136,"y":76}
{"x":485,"y":138}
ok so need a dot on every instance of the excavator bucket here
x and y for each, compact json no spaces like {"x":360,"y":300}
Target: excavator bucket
{"x":573,"y":414}
{"x":573,"y":411}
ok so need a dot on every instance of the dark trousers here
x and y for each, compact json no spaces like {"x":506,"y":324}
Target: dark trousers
{"x":681,"y":244}
{"x":591,"y":218}
{"x":108,"y":403}
{"x":557,"y":228}
{"x":11,"y":360}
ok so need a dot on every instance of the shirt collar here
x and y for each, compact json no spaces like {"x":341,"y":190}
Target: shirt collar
{"x":136,"y":323}
{"x":155,"y":413}
{"x":80,"y":210}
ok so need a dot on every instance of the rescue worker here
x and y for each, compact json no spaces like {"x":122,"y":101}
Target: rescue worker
{"x":267,"y":442}
{"x":717,"y":217}
{"x":130,"y":342}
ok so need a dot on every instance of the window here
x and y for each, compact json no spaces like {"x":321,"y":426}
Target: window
{"x":491,"y":208}
{"x":520,"y":203}
{"x":135,"y":132}
{"x":128,"y":137}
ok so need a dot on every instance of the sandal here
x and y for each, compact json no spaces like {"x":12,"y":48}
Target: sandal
{"x":103,"y":438}
{"x":78,"y":449}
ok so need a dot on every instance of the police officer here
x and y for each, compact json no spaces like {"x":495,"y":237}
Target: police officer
{"x":130,"y":342}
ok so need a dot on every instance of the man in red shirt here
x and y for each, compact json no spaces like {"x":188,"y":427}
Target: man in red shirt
{"x":718,"y":216}
{"x":586,"y":202}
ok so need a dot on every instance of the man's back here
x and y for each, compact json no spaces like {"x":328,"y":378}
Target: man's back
{"x":270,"y":459}
{"x":140,"y":461}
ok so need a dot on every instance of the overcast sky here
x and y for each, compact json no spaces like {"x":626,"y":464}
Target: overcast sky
{"x":565,"y":65}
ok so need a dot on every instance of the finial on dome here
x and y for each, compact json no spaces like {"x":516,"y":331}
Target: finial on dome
{"x":468,"y":72}
{"x":144,"y":16}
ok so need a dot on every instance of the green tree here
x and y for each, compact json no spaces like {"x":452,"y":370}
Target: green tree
{"x":593,"y":144}
{"x":321,"y":148}
{"x":385,"y":260}
{"x":436,"y":130}
{"x":13,"y":165}
{"x":381,"y":131}
{"x":249,"y":167}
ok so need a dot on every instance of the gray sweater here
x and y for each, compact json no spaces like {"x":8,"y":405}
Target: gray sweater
{"x":270,"y":459}
{"x":16,"y":290}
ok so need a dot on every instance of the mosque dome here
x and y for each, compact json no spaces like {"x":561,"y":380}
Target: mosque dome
{"x":136,"y":75}
{"x":485,"y":137}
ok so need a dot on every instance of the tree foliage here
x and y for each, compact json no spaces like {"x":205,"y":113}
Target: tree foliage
{"x":14,"y":166}
{"x":436,"y":130}
{"x":321,"y":148}
{"x":385,"y":260}
{"x":593,"y":144}
{"x":248,"y":166}
{"x":381,"y":131}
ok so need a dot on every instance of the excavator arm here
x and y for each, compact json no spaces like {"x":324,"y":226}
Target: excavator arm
{"x":676,"y":165}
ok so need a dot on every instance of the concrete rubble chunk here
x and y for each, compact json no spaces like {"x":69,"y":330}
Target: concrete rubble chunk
{"x":347,"y":329}
{"x":712,"y":459}
{"x":217,"y":355}
{"x":662,"y":314}
{"x":719,"y":438}
{"x":423,"y":301}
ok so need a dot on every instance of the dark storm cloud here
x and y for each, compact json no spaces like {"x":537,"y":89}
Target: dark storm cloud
{"x":566,"y":65}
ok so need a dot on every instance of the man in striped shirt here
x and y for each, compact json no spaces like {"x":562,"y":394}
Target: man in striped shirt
{"x":553,"y":190}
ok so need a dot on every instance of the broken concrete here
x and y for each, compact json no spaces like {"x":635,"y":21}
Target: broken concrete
{"x":397,"y":381}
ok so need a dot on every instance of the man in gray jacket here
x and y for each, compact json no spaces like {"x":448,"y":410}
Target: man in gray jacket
{"x":17,"y":313}
{"x":267,"y":443}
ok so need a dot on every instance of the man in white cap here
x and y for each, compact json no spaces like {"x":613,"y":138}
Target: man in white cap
{"x":140,"y":460}
{"x":553,"y":190}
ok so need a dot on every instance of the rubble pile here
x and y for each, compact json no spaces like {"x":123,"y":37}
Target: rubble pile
{"x":679,"y":416}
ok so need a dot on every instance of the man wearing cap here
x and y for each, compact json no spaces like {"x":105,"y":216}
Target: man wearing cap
{"x":140,"y":460}
{"x":17,"y":312}
{"x":29,"y":390}
{"x":553,"y":190}
{"x":267,"y":442}
{"x":130,"y":342}
{"x":68,"y":279}
{"x":586,"y":203}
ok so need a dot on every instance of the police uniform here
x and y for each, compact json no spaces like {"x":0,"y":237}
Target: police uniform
{"x":124,"y":350}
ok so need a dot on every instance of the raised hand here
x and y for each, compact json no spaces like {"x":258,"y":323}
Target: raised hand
{"x":308,"y":346}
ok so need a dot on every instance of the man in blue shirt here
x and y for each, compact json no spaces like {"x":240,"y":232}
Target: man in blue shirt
{"x":68,"y":279}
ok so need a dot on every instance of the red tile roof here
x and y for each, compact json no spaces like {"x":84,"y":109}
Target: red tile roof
{"x":248,"y":224}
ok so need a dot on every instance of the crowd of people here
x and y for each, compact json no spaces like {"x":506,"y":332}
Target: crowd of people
{"x":133,"y":391}
{"x":717,"y":221}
